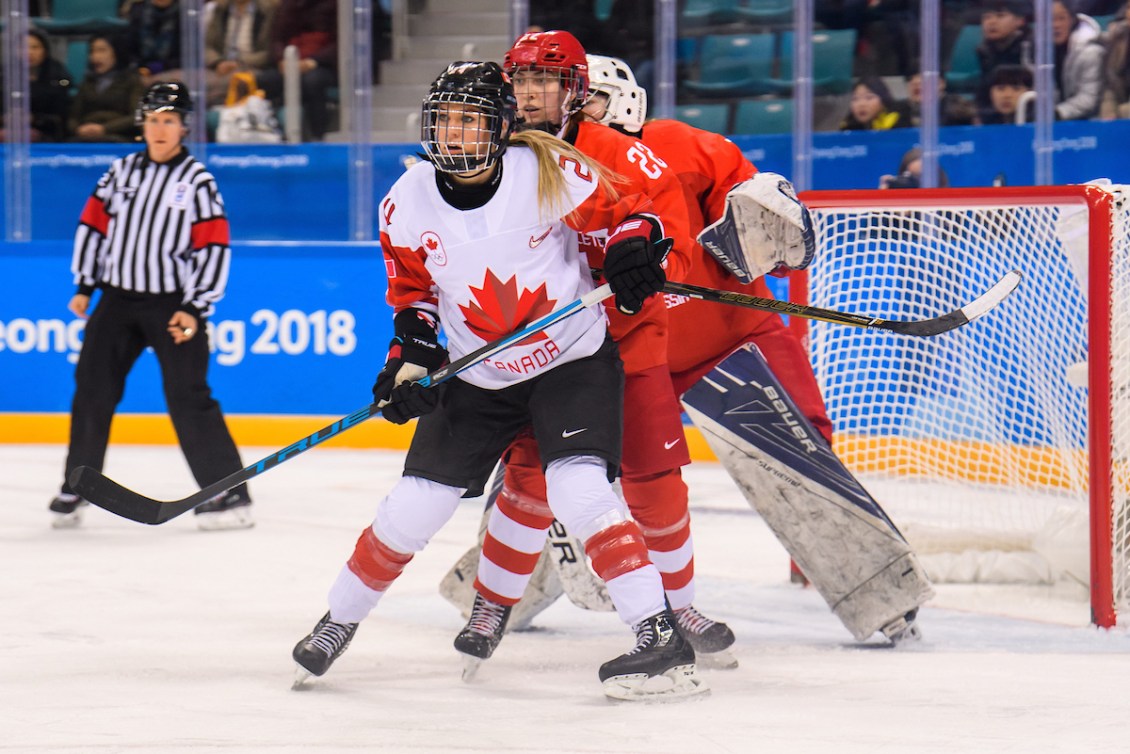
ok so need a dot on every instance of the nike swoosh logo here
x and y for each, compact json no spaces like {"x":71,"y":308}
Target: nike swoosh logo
{"x":535,"y":241}
{"x":669,"y":445}
{"x":567,"y":433}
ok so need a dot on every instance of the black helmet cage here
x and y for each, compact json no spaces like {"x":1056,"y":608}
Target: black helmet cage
{"x":165,"y":96}
{"x":483,"y":87}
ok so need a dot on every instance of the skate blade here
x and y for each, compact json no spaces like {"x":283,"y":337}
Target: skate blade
{"x":67,"y":520}
{"x":301,"y":676}
{"x":721,"y":660}
{"x":676,"y":684}
{"x":471,"y":667}
{"x":236,"y":518}
{"x":905,"y":635}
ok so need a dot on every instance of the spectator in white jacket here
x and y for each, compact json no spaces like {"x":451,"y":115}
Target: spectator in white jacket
{"x":1078,"y":62}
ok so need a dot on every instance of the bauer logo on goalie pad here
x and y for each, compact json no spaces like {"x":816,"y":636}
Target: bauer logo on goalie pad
{"x":743,"y":396}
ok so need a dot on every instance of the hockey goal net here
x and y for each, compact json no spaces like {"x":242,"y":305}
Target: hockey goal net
{"x":996,"y":450}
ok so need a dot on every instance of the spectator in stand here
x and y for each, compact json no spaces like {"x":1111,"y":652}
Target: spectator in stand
{"x":1005,"y":41}
{"x":1078,"y":62}
{"x":49,"y":83}
{"x":1007,"y":87}
{"x":237,"y":38}
{"x":103,"y":109}
{"x":873,"y":108}
{"x":953,"y":109}
{"x":154,"y":40}
{"x":1116,"y":94}
{"x":311,"y":26}
{"x":910,"y":173}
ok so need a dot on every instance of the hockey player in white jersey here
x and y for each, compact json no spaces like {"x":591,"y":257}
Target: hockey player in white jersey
{"x":483,"y":239}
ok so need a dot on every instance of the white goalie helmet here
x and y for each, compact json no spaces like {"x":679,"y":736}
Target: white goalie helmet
{"x":627,"y":100}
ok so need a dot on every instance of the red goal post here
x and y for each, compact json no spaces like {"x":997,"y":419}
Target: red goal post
{"x":975,"y":441}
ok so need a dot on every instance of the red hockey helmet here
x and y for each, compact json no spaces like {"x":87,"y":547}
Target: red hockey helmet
{"x":553,"y":52}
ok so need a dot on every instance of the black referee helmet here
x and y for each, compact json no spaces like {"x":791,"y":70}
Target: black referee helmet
{"x":171,"y":95}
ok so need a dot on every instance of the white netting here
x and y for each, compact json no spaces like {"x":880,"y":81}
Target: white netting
{"x":974,"y":441}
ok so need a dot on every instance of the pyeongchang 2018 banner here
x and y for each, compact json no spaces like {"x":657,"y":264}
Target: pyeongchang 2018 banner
{"x":303,"y":329}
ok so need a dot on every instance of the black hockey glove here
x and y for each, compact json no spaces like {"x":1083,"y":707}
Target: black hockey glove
{"x":413,"y":352}
{"x":633,"y":262}
{"x":410,"y":400}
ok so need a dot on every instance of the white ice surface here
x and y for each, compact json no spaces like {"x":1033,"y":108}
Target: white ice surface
{"x":117,"y":637}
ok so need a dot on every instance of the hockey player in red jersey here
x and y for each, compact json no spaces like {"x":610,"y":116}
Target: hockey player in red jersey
{"x":482,"y":239}
{"x":708,"y":167}
{"x":551,"y":82}
{"x":749,"y":224}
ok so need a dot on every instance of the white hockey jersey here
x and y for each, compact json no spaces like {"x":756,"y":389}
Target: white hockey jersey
{"x":489,"y":271}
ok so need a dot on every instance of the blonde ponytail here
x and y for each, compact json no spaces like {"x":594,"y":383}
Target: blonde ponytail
{"x":553,"y":194}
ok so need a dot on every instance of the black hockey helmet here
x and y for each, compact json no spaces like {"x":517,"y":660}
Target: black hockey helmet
{"x":482,"y":86}
{"x":170,"y":95}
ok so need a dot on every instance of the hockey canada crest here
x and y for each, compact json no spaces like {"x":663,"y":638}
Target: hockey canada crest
{"x":498,"y":308}
{"x":432,"y":245}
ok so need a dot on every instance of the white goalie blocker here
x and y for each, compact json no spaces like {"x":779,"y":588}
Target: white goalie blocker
{"x":834,"y":530}
{"x":764,"y":228}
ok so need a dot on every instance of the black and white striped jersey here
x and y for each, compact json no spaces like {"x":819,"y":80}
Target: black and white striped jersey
{"x":155,"y":228}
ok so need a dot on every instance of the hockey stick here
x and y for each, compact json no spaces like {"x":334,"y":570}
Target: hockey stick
{"x":93,"y":486}
{"x":921,"y":327}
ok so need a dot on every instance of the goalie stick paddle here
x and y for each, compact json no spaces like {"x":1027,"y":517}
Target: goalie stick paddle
{"x":95,"y":487}
{"x":919,"y":327}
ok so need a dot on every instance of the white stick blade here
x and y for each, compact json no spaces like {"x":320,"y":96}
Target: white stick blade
{"x":990,"y":298}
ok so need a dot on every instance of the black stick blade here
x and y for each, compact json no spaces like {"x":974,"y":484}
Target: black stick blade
{"x":100,"y":490}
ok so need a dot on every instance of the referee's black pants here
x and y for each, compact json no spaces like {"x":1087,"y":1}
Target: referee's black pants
{"x":122,"y":325}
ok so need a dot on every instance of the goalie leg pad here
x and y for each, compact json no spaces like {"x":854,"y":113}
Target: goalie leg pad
{"x":838,"y":534}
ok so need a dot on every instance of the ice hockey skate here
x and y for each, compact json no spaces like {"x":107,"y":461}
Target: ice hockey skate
{"x":228,"y":511}
{"x":67,"y":511}
{"x":479,"y":638}
{"x":661,"y":667}
{"x":905,"y":630}
{"x":710,"y":638}
{"x":318,"y":650}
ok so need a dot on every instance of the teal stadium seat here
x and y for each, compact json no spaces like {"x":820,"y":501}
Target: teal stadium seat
{"x":733,"y":65}
{"x":602,"y":9}
{"x":964,"y":71}
{"x":709,"y":117}
{"x":78,"y":50}
{"x":764,"y":116}
{"x":833,"y":62}
{"x":766,"y":12}
{"x":707,"y":13}
{"x":686,"y":50}
{"x":82,"y":17}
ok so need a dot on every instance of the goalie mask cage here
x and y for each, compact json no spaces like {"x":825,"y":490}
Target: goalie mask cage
{"x":993,"y":464}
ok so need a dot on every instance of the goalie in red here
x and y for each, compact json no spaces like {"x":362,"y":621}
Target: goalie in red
{"x":483,"y":239}
{"x":750,"y":224}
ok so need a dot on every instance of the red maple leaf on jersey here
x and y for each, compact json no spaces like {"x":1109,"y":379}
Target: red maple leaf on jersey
{"x":431,"y":244}
{"x":499,"y":309}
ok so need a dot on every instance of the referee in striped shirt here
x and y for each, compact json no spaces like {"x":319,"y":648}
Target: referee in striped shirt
{"x":154,"y":238}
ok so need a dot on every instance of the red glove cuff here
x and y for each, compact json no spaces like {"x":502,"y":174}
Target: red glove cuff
{"x":633,"y":226}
